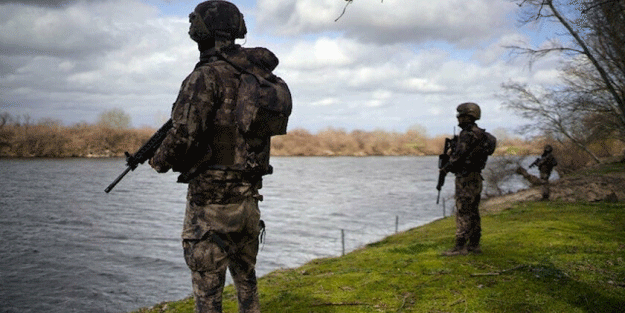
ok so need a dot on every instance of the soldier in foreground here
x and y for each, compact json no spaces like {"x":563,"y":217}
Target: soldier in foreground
{"x":226,"y":111}
{"x":545,"y":164}
{"x":467,"y":159}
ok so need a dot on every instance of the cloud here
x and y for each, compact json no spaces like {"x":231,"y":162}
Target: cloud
{"x":74,"y":31}
{"x":392,"y":86}
{"x":42,"y":3}
{"x":387,"y":65}
{"x":425,"y":57}
{"x":88,"y":57}
{"x":323,"y":52}
{"x":461,"y":22}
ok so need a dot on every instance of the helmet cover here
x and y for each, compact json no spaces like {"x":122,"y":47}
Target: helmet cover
{"x":216,"y":18}
{"x":469,"y":109}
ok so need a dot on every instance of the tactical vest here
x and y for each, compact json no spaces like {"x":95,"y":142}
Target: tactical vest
{"x":250,"y":113}
{"x":482,"y":145}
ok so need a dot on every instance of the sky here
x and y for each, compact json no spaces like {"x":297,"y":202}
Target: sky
{"x":386,"y":65}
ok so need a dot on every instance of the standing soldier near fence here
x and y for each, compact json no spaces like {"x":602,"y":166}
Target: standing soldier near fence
{"x":226,"y":111}
{"x":466,"y":161}
{"x":545,"y":164}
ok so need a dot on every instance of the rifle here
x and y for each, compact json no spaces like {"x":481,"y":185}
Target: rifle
{"x":536,"y":162}
{"x":144,"y":153}
{"x":443,"y":163}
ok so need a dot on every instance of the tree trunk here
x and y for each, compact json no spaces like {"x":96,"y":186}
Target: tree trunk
{"x":533,"y":180}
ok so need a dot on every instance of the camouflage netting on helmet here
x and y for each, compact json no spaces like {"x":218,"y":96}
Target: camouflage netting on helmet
{"x":216,"y":19}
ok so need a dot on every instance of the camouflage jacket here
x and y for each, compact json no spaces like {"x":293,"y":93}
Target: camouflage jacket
{"x":546,"y":163}
{"x":204,"y":120}
{"x":466,"y":158}
{"x":204,"y":129}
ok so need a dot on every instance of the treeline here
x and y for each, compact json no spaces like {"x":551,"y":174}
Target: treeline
{"x":48,"y":138}
{"x":21,"y":138}
{"x":338,"y":142}
{"x":51,"y":139}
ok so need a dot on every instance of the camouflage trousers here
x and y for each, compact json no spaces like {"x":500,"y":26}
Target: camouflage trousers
{"x":210,"y":257}
{"x":468,"y":193}
{"x":545,"y":190}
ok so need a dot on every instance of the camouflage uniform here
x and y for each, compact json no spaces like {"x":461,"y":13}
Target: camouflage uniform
{"x":222,"y":219}
{"x":545,"y":165}
{"x":467,"y":164}
{"x":221,"y":228}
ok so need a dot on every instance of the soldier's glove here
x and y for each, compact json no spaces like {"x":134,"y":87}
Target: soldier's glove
{"x":159,"y":168}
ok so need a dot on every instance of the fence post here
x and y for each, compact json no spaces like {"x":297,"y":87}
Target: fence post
{"x":343,"y":241}
{"x":396,"y":223}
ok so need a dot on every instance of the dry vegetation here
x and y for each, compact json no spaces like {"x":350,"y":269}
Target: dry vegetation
{"x":338,"y":142}
{"x":81,"y":140}
{"x":51,"y":139}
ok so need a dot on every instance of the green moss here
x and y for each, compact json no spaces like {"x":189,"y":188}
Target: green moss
{"x":537,"y":257}
{"x":616,"y":167}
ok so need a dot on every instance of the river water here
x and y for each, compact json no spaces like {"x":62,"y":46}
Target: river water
{"x":67,"y":246}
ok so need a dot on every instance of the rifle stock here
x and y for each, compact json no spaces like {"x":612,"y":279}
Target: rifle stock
{"x":143,"y":154}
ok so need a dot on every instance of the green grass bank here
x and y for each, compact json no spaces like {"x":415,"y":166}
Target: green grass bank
{"x":537,"y":257}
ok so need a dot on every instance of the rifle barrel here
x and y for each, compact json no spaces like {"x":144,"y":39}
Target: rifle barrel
{"x":118,"y":179}
{"x":144,"y":153}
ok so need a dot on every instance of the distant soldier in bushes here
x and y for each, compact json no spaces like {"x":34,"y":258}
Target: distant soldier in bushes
{"x":467,"y":160}
{"x":545,"y":164}
{"x":225,"y":114}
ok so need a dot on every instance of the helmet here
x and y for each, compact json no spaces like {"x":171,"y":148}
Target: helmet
{"x":216,"y":18}
{"x":470,"y":109}
{"x":548,"y":149}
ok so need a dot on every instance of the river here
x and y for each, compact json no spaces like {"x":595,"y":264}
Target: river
{"x":67,"y":246}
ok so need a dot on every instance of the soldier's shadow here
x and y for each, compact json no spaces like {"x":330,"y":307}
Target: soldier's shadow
{"x":577,"y":294}
{"x":306,"y":304}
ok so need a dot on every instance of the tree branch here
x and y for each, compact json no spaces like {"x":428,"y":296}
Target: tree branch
{"x":604,"y":75}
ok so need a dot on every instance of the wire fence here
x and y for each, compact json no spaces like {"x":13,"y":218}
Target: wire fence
{"x":370,"y":231}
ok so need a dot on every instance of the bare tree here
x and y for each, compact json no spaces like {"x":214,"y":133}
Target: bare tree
{"x":550,"y":113}
{"x":601,"y":92}
{"x":5,"y":135}
{"x":597,"y":32}
{"x":590,"y":102}
{"x":114,"y":118}
{"x":347,"y":2}
{"x":5,"y":118}
{"x":498,"y":171}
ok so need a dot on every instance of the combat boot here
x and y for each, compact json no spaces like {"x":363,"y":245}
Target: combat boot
{"x":474,"y":249}
{"x":458,"y":249}
{"x":474,"y":244}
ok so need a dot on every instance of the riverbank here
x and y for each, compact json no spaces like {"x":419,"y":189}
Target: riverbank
{"x":597,"y":183}
{"x":566,"y":255}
